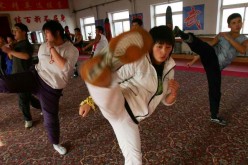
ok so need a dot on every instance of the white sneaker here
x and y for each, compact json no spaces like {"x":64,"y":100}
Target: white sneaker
{"x":62,"y":150}
{"x":28,"y":124}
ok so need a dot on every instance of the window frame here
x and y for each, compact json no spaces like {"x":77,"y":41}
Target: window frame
{"x":112,"y":21}
{"x":233,"y":6}
{"x":84,"y":25}
{"x":154,"y":15}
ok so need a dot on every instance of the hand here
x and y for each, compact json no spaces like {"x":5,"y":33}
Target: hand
{"x":173,"y":86}
{"x":189,"y":64}
{"x":84,"y":110}
{"x":50,"y":44}
{"x":83,"y":49}
{"x":6,"y":49}
{"x":226,"y":35}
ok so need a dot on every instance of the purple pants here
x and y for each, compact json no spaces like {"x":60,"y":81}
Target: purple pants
{"x":49,"y":98}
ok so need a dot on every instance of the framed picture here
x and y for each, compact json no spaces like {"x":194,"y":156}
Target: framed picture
{"x":193,"y":17}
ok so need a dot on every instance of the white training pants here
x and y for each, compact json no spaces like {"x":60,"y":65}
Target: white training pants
{"x":111,"y":103}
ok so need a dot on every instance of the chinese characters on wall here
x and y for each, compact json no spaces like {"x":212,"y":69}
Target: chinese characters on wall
{"x":32,"y":5}
{"x":26,"y":5}
{"x":38,"y":19}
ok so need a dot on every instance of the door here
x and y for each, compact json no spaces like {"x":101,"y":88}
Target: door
{"x":5,"y":28}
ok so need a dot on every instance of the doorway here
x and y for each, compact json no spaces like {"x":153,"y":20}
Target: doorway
{"x":5,"y":28}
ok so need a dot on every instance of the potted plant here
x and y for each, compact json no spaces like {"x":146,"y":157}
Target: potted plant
{"x":89,"y":36}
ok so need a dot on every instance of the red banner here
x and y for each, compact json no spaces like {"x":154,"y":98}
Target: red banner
{"x":23,"y":5}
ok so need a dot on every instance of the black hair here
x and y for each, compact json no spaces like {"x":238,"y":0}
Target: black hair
{"x":138,"y":21}
{"x":233,"y":16}
{"x":162,"y":34}
{"x":54,"y":27}
{"x":77,"y":29}
{"x":106,"y":20}
{"x":22,"y":26}
{"x":10,"y":36}
{"x":100,"y":28}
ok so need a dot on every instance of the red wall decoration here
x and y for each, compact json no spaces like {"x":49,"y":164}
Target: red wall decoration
{"x":24,"y":5}
{"x":39,"y":19}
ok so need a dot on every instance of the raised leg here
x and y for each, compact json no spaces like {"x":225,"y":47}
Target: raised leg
{"x":126,"y":48}
{"x":111,"y":103}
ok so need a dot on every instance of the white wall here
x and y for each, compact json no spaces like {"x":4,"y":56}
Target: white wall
{"x":100,"y":12}
{"x":33,"y":26}
{"x":143,"y":6}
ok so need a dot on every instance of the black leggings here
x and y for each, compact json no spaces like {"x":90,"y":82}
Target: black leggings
{"x":210,"y":63}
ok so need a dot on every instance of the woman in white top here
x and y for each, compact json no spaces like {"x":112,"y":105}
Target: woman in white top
{"x":57,"y":58}
{"x":136,"y":88}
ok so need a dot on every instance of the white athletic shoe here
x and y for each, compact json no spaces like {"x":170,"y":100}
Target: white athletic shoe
{"x":61,"y":150}
{"x":28,"y":124}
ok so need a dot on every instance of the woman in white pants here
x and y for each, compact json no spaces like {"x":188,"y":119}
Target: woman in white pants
{"x":135,"y":91}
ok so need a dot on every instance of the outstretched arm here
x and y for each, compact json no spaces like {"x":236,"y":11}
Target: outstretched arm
{"x":10,"y":52}
{"x":97,"y":39}
{"x":196,"y":58}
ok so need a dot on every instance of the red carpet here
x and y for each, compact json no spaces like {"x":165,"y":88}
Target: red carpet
{"x":174,"y":135}
{"x":236,"y":69}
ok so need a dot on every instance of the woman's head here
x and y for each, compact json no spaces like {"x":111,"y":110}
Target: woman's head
{"x":162,"y":34}
{"x":53,"y":30}
{"x":77,"y":30}
{"x":20,"y":31}
{"x":136,"y":22}
{"x":99,"y":29}
{"x":163,"y":40}
{"x":233,"y":16}
{"x":235,"y":22}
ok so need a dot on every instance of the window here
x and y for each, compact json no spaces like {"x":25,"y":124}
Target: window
{"x":119,"y":22}
{"x":36,"y":37}
{"x":88,"y":27}
{"x":238,"y":6}
{"x":159,"y":12}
